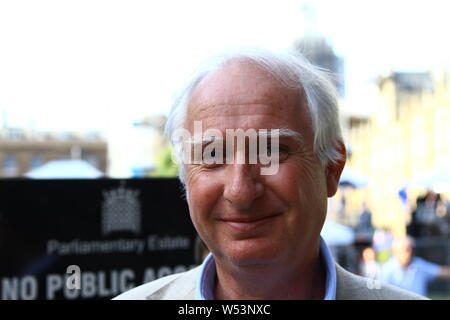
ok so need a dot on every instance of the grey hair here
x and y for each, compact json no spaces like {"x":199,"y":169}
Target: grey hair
{"x":293,"y":71}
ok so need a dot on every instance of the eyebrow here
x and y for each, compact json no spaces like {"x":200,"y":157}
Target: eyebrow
{"x":285,"y":133}
{"x":282,"y":133}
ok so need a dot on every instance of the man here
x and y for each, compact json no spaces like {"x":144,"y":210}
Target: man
{"x":262,"y":227}
{"x":408,"y":272}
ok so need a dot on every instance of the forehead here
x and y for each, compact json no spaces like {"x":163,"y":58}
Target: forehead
{"x":242,"y":94}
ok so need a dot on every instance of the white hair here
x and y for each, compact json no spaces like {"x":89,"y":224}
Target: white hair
{"x":293,"y":71}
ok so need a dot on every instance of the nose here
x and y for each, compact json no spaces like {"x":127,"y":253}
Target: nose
{"x":243,"y":185}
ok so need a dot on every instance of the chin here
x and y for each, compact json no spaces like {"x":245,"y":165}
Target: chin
{"x":252,"y":253}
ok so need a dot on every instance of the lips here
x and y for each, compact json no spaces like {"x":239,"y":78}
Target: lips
{"x":248,"y":224}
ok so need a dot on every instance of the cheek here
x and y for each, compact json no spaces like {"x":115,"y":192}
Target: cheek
{"x":301,"y":188}
{"x":202,"y":193}
{"x":302,"y":179}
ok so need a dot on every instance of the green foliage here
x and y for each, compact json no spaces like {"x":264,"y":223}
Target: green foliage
{"x":164,"y":166}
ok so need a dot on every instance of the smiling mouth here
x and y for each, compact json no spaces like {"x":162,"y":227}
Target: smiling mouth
{"x":246,"y":225}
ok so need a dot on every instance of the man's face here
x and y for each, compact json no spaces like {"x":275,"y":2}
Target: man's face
{"x":403,"y":252}
{"x":244,"y":217}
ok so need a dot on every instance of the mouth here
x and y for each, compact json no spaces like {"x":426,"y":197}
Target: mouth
{"x":249,"y":224}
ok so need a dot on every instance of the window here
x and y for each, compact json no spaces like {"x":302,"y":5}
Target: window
{"x":36,"y":161}
{"x":10,"y":167}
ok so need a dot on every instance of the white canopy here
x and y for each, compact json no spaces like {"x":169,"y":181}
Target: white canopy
{"x":437,"y":179}
{"x":65,"y":169}
{"x":352,"y":178}
{"x":336,"y":234}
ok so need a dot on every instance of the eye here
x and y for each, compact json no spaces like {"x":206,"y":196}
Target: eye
{"x":209,"y":156}
{"x":212,"y":156}
{"x":283,"y":151}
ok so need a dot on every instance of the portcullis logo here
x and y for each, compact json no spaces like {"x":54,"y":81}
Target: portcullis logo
{"x":121,"y":210}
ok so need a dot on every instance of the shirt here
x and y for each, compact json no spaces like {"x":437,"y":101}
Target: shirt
{"x":205,"y":282}
{"x":415,"y":278}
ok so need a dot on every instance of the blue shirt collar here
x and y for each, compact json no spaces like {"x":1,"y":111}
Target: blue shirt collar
{"x":204,"y":289}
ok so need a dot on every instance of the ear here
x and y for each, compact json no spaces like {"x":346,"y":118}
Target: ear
{"x":334,"y":171}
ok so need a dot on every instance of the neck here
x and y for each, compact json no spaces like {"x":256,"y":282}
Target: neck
{"x":405,"y":264}
{"x":305,"y":281}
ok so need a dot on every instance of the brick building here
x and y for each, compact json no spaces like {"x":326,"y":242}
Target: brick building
{"x":23,"y":150}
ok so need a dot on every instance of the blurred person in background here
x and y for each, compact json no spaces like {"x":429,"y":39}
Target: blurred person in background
{"x":370,"y":267}
{"x":416,"y":228}
{"x":408,"y":272}
{"x":430,"y":217}
{"x":364,"y":228}
{"x":382,"y":244}
{"x":365,"y":219}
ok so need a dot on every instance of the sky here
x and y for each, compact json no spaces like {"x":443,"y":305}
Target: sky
{"x":101,"y":65}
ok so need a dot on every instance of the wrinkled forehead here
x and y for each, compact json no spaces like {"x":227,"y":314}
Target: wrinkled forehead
{"x":244,"y":83}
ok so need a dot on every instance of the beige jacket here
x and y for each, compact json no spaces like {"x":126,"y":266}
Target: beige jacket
{"x":349,"y":286}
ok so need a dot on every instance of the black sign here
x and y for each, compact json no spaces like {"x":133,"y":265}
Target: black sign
{"x":90,"y":239}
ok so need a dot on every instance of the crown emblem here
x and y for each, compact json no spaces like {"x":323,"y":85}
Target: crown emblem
{"x":121,"y":210}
